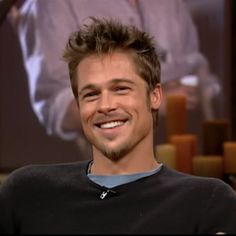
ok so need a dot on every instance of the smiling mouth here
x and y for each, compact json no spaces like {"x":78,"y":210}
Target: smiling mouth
{"x":111,"y":124}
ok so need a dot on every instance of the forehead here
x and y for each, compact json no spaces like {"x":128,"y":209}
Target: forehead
{"x":105,"y":67}
{"x":115,"y":59}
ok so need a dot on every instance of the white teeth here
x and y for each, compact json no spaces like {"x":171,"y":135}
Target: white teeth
{"x":111,"y":124}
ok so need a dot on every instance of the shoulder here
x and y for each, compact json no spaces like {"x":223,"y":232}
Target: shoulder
{"x":34,"y":182}
{"x":198,"y":184}
{"x":41,"y":174}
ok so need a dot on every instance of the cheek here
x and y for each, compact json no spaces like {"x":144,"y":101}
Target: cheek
{"x":143,"y":101}
{"x":86,"y":112}
{"x":137,"y":104}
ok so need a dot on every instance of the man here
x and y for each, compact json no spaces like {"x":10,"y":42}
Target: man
{"x":115,"y":77}
{"x":43,"y":27}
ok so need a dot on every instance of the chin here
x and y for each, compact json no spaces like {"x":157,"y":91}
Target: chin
{"x":115,"y":154}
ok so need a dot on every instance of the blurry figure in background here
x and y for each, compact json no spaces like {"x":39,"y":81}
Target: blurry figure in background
{"x":43,"y":27}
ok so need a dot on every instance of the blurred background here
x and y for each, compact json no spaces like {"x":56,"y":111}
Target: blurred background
{"x":23,"y":140}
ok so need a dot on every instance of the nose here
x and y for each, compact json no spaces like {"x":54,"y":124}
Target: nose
{"x":106,"y":103}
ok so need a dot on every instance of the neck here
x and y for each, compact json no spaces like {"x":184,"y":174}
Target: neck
{"x":128,"y":164}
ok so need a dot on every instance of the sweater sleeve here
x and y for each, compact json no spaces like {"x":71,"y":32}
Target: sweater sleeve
{"x":219,"y":215}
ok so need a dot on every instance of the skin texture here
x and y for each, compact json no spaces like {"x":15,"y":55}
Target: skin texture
{"x":116,"y":114}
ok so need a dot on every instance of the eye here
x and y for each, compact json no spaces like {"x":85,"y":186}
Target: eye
{"x":122,"y":89}
{"x":90,"y":96}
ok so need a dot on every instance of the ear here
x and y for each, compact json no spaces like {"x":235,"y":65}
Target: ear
{"x":156,"y":97}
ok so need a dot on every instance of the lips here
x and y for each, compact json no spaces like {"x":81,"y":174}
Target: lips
{"x":112,"y":124}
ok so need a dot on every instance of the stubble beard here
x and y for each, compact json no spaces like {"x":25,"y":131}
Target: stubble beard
{"x":115,"y":154}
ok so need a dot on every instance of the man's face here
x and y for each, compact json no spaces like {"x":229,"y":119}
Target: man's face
{"x":115,"y":107}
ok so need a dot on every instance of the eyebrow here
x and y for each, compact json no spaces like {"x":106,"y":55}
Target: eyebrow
{"x":113,"y":81}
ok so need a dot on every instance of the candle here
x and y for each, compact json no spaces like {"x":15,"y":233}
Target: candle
{"x":229,"y":157}
{"x":186,"y":148}
{"x":209,"y":166}
{"x":229,"y":163}
{"x":215,"y":133}
{"x":166,"y":154}
{"x":176,"y":115}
